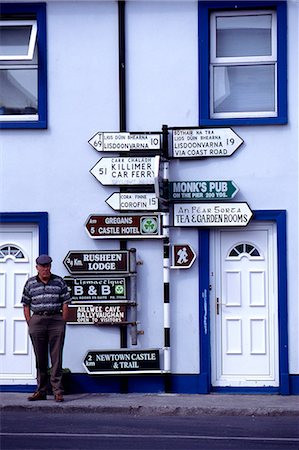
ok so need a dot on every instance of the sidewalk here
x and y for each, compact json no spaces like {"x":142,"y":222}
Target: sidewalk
{"x":158,"y":404}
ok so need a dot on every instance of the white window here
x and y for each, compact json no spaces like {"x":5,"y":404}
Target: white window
{"x":18,"y":70}
{"x":243,"y":64}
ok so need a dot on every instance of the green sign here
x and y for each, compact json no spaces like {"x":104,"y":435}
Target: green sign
{"x":201,"y":190}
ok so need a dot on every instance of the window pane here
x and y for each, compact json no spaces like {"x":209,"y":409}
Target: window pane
{"x":244,"y":88}
{"x":14,"y":40}
{"x":18,"y":93}
{"x":243,"y":36}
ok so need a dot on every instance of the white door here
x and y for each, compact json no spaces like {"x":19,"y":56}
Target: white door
{"x":244,"y":307}
{"x":18,"y":251}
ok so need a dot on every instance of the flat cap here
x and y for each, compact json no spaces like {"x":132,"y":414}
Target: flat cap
{"x":43,"y":259}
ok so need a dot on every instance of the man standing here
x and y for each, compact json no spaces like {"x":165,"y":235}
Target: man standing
{"x":45,"y":300}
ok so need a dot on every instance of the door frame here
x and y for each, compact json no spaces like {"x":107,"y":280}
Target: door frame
{"x":279,"y":217}
{"x":41,"y":220}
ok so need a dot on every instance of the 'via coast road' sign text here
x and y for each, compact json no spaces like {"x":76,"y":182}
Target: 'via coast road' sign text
{"x":203,"y":142}
{"x":100,"y":288}
{"x":89,"y":262}
{"x":201,"y":190}
{"x":124,"y":141}
{"x":124,"y":226}
{"x":115,"y":361}
{"x":127,"y":170}
{"x":211,"y":214}
{"x":125,"y":201}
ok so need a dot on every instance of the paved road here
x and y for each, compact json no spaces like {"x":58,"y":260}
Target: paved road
{"x":31,"y":430}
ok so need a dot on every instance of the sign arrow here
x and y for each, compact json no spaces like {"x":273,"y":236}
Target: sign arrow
{"x":124,"y":141}
{"x":127,"y":170}
{"x":189,"y":191}
{"x":204,"y":142}
{"x":183,"y":256}
{"x":120,"y":201}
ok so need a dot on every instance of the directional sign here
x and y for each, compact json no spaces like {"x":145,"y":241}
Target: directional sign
{"x":211,"y":214}
{"x":97,"y":262}
{"x":116,"y":361}
{"x":183,"y":256}
{"x":127,"y":170}
{"x":100,"y":288}
{"x":203,"y":142}
{"x":124,"y":142}
{"x":120,"y":201}
{"x":124,"y":226}
{"x":201,"y":190}
{"x":104,"y":314}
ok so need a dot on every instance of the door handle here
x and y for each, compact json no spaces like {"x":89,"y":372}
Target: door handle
{"x":218,"y":304}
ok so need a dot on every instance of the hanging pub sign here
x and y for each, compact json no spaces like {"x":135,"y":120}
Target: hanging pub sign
{"x":125,"y":141}
{"x":124,"y":226}
{"x":211,"y":214}
{"x":116,"y":361}
{"x":86,"y":262}
{"x":97,"y":314}
{"x":100,"y":288}
{"x":189,"y":191}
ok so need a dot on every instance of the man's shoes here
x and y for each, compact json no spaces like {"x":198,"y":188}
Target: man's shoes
{"x":58,"y":398}
{"x":37,"y":396}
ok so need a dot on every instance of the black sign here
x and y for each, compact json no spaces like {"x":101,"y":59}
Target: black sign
{"x":89,"y":289}
{"x":122,"y":360}
{"x":98,"y":314}
{"x":97,"y":262}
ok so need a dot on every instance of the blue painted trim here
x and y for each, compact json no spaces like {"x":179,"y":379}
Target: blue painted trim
{"x":278,"y":216}
{"x":39,"y":10}
{"x":39,"y":218}
{"x":181,"y":384}
{"x":204,"y":10}
{"x":204,"y":310}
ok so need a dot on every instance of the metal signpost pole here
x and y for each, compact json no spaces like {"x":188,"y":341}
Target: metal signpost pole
{"x":166,"y":266}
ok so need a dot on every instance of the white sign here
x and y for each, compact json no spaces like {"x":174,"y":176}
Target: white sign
{"x":211,"y":214}
{"x":120,"y":201}
{"x":127,"y":170}
{"x":124,"y":142}
{"x":203,"y":142}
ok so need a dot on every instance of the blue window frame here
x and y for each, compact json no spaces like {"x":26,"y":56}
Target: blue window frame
{"x":243,"y":84}
{"x":23,"y":65}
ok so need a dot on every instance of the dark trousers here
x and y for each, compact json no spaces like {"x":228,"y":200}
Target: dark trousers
{"x":47,"y":335}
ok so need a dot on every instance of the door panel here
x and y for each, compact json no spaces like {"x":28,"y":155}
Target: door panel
{"x":244,"y":307}
{"x":18,"y":250}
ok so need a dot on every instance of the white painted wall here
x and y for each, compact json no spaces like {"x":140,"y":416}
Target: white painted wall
{"x":48,"y":170}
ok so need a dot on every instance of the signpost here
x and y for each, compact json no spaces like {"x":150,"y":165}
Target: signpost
{"x":203,"y":142}
{"x":122,"y":361}
{"x":124,"y":201}
{"x":125,"y":142}
{"x":211,"y":214}
{"x":93,"y":289}
{"x":86,"y":262}
{"x":127,"y":170}
{"x":99,"y":314}
{"x":183,"y":256}
{"x":201,"y":190}
{"x":125,"y":226}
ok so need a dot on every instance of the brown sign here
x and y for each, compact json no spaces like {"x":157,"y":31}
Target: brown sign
{"x":183,"y":256}
{"x":99,"y":314}
{"x":124,"y":226}
{"x":97,"y":262}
